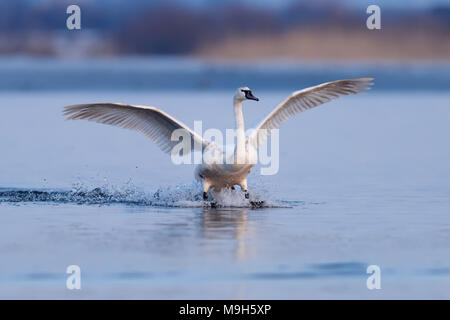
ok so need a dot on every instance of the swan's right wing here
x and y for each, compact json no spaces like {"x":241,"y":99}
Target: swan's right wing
{"x":152,"y":122}
{"x":303,"y":100}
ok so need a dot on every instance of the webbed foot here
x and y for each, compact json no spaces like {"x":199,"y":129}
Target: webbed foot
{"x":257,"y":204}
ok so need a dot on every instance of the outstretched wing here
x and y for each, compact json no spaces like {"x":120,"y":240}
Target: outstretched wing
{"x":303,"y":100}
{"x":152,"y":122}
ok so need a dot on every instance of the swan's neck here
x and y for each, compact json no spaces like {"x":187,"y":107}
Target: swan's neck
{"x":240,"y":131}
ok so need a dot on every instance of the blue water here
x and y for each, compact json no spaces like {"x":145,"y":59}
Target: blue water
{"x":166,"y":74}
{"x":363,"y":180}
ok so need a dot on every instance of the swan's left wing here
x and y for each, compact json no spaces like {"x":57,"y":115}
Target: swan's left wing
{"x":152,"y":122}
{"x":303,"y":100}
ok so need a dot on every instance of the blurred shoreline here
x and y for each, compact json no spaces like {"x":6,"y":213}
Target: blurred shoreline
{"x":226,"y":30}
{"x":335,"y":44}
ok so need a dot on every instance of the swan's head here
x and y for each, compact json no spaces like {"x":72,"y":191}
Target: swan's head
{"x":244,"y":93}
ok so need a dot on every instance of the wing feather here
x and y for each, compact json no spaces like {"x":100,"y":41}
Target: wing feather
{"x":152,"y":122}
{"x":303,"y":100}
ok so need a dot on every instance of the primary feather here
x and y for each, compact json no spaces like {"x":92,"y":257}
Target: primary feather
{"x":303,"y":100}
{"x":152,"y":122}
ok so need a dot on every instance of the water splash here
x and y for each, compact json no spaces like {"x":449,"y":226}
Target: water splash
{"x":184,"y":195}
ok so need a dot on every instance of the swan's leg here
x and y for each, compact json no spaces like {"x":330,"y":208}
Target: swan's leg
{"x":243,"y":186}
{"x":206,"y":186}
{"x":255,"y":204}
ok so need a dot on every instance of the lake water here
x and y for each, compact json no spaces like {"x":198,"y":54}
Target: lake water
{"x":363,"y":180}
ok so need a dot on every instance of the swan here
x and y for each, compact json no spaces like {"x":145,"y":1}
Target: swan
{"x":159,"y":126}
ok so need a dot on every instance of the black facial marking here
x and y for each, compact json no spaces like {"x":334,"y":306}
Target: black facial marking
{"x":247,"y":92}
{"x":249,"y":95}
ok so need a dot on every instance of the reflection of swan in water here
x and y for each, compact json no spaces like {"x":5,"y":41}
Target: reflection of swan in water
{"x":228,"y":224}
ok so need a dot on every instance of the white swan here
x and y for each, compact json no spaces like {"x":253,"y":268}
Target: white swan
{"x":159,"y":126}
